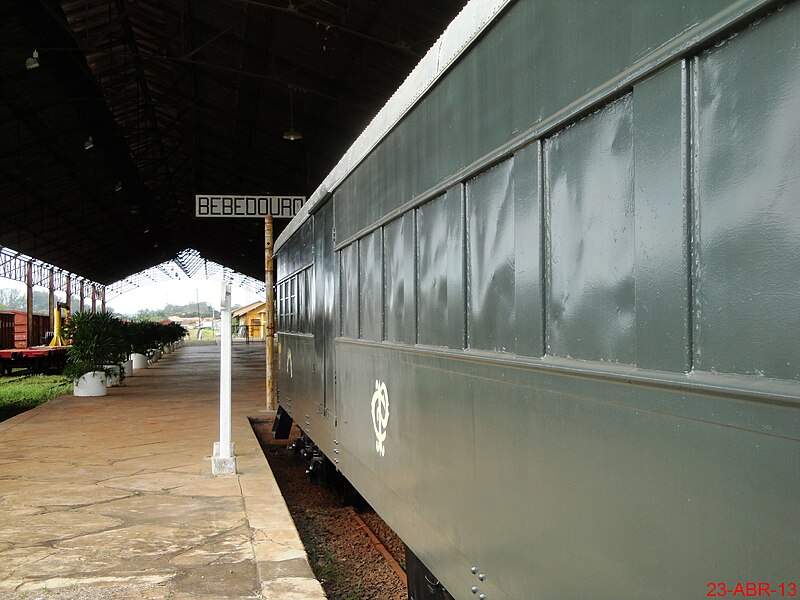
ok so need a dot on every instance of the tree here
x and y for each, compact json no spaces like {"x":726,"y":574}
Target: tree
{"x":11,"y":299}
{"x":41,"y":302}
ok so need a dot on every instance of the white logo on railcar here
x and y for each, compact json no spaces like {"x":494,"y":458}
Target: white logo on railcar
{"x":289,"y":363}
{"x":380,"y":415}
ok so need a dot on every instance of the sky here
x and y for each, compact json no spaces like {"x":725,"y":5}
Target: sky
{"x":158,"y":295}
{"x":178,"y":292}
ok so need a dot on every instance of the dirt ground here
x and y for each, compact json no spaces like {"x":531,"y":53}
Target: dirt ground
{"x":346,"y":562}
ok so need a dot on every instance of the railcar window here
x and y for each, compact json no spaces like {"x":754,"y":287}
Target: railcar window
{"x":747,"y":305}
{"x":504,"y":288}
{"x":371,"y":286}
{"x":293,"y":304}
{"x":440,"y":286}
{"x":309,"y":299}
{"x":589,"y":182}
{"x":303,"y":325}
{"x":307,"y":274}
{"x":491,"y":317}
{"x":279,"y":305}
{"x":299,"y":288}
{"x":348,"y":273}
{"x":287,"y":321}
{"x":399,"y":293}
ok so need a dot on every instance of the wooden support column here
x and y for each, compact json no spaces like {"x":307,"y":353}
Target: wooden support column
{"x":51,"y":299}
{"x":103,"y":299}
{"x":69,"y":292}
{"x":269,"y":334}
{"x":83,"y":295}
{"x":29,"y":286}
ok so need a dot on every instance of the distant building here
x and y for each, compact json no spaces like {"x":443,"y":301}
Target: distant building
{"x":189,"y":322}
{"x":251,"y":320}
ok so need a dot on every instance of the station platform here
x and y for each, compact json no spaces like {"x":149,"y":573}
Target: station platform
{"x":113,"y":497}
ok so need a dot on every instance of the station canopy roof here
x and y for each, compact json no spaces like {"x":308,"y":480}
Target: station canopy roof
{"x":114,"y":114}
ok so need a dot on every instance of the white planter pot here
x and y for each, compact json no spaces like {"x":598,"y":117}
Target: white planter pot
{"x":90,"y":384}
{"x":114,"y":379}
{"x":139,"y":361}
{"x":167,"y":349}
{"x":156,"y":354}
{"x":128,"y":366}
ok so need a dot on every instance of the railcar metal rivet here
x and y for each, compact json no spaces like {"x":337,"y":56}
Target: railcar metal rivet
{"x":481,"y":596}
{"x":474,"y":589}
{"x":482,"y":576}
{"x":474,"y":570}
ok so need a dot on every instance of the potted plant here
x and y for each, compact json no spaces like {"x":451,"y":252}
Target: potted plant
{"x":93,"y":345}
{"x":118,"y":365}
{"x":125,"y":349}
{"x":142,"y":337}
{"x":170,"y":334}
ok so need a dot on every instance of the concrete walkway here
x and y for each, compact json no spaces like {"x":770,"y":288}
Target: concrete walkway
{"x":113,"y":497}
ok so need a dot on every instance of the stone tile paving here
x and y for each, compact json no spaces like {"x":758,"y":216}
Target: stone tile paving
{"x":113,"y":497}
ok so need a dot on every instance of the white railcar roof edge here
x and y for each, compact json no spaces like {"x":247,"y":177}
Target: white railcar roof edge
{"x":459,"y":35}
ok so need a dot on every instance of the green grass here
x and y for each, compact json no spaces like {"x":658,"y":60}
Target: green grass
{"x":206,"y":335}
{"x":325,"y":567}
{"x":18,"y":394}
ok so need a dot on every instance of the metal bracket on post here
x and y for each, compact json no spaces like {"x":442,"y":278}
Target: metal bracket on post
{"x":223,"y":462}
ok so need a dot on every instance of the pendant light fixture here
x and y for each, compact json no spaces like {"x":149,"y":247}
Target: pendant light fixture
{"x":291,"y":134}
{"x":32,"y":62}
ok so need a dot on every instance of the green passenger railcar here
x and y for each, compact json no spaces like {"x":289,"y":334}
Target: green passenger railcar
{"x":546,"y":316}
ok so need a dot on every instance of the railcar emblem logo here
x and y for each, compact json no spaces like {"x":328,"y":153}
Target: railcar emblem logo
{"x":289,"y":363}
{"x":380,"y":415}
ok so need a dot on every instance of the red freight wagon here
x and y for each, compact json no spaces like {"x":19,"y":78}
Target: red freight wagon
{"x":14,"y":329}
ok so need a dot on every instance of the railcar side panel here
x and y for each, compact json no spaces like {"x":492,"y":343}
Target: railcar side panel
{"x":326,"y":305}
{"x":297,"y":391}
{"x":558,"y":485}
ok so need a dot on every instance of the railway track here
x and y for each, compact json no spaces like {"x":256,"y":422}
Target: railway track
{"x":350,"y":552}
{"x":380,"y":546}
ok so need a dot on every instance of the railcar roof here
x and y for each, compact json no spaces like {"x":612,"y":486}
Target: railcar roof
{"x":458,"y":36}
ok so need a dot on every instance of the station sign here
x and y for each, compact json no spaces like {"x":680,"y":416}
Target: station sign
{"x":243,"y":206}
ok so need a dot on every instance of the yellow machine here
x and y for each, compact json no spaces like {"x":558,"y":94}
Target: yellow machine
{"x":57,"y":339}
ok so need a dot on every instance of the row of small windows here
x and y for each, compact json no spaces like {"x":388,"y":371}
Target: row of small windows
{"x":294,"y":306}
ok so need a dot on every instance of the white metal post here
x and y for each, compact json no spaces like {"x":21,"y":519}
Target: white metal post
{"x":223,"y":462}
{"x":225,"y":376}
